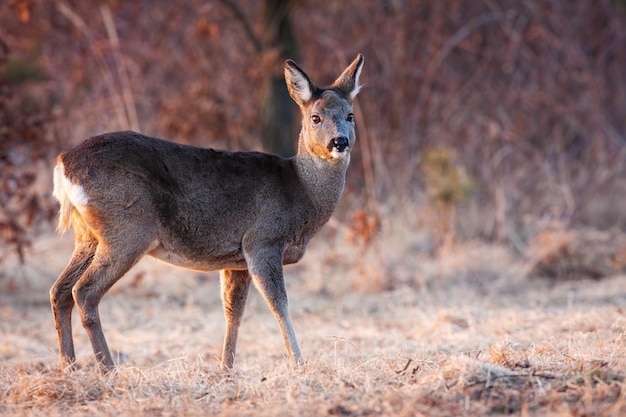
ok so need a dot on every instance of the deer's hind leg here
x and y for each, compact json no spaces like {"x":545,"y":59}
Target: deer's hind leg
{"x":109,"y":264}
{"x":235,"y":287}
{"x":62,"y":301}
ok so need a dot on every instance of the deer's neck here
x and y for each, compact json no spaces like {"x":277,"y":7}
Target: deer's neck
{"x":324,"y":181}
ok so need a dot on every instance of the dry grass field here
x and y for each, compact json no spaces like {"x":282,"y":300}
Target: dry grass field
{"x":384,"y":330}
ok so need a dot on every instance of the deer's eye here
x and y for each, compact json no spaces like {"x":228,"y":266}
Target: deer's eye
{"x":350,"y":117}
{"x":316,"y":119}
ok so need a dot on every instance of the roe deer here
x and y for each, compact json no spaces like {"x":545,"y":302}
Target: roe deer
{"x":246,"y":213}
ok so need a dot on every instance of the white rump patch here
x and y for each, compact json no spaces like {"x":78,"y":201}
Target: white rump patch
{"x":63,"y":187}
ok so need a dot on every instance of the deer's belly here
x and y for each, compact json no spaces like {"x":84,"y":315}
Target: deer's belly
{"x":210,"y":262}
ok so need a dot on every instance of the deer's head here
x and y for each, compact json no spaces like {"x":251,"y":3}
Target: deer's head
{"x":327,"y":118}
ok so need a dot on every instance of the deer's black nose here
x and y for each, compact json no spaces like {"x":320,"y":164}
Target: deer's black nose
{"x":340,"y":143}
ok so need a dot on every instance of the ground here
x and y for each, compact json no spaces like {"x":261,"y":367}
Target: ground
{"x":383,"y":330}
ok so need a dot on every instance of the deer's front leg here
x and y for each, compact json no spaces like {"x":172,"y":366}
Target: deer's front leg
{"x":266,"y":268}
{"x":235,"y":286}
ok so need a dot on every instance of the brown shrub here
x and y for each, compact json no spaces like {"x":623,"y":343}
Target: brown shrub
{"x":578,"y":253}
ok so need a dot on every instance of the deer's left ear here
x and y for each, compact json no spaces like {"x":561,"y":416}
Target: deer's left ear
{"x":348,"y":81}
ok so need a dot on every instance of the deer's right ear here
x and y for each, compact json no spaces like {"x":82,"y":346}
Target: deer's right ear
{"x":300,"y":88}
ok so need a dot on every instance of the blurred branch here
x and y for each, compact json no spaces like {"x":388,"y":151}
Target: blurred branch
{"x":127,"y":93}
{"x":80,"y":24}
{"x":463,"y":32}
{"x":247,"y":28}
{"x":368,"y":166}
{"x":433,"y":65}
{"x":76,"y":20}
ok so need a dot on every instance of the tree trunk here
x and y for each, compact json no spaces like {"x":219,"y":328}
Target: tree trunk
{"x":277,"y":111}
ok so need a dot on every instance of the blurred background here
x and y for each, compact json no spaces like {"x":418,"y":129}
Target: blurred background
{"x":497,"y":122}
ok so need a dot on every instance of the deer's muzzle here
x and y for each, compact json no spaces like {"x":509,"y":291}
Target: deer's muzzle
{"x":340,"y":144}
